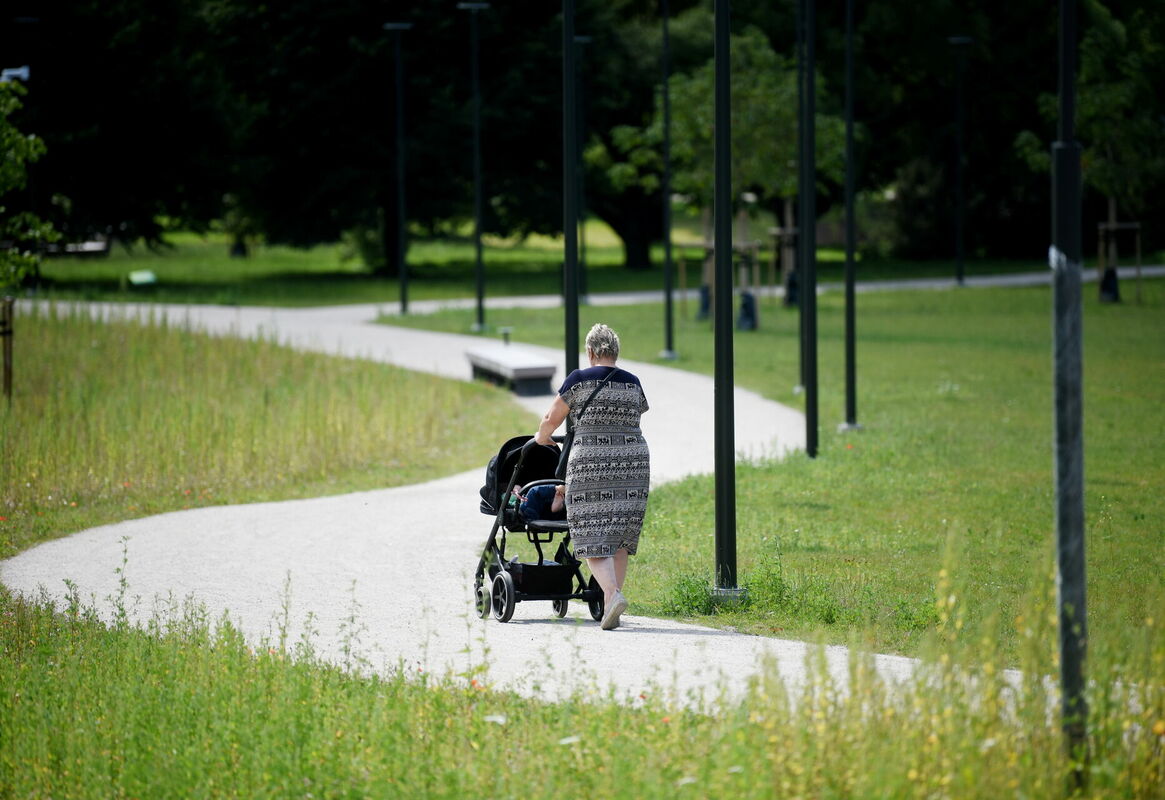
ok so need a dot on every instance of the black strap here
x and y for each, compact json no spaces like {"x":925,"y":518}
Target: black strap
{"x":602,"y":383}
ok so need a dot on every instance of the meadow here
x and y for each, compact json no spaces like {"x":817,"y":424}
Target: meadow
{"x":927,"y":532}
{"x":112,"y":420}
{"x":953,"y":462}
{"x":197,"y":268}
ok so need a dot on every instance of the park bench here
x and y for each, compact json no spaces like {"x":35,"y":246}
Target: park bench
{"x":523,"y":372}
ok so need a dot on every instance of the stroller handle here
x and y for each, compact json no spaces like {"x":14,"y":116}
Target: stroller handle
{"x":532,"y":442}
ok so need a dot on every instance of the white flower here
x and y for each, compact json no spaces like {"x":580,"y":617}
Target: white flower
{"x":736,"y":769}
{"x":570,"y":740}
{"x":500,"y":719}
{"x":684,"y":781}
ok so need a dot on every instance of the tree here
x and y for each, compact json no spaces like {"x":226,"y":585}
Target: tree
{"x":22,"y":234}
{"x":764,"y":131}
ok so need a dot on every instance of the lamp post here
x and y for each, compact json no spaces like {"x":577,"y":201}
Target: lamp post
{"x":1064,"y":258}
{"x":808,"y":228}
{"x":581,"y":41}
{"x":479,"y":270}
{"x":569,"y":187}
{"x":851,"y":402}
{"x":669,"y":349}
{"x":725,"y":589}
{"x":959,"y":44}
{"x":398,"y":28}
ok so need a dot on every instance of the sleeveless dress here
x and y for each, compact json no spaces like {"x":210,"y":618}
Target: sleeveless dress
{"x":609,"y":471}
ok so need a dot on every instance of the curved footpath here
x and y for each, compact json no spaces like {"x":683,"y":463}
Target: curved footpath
{"x":381,"y":558}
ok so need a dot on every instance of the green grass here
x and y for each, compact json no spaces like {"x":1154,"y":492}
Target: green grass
{"x":954,"y":463}
{"x":113,"y":420}
{"x":184,"y":707}
{"x":197,"y":269}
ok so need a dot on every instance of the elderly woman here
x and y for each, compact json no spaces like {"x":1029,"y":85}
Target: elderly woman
{"x":609,"y":469}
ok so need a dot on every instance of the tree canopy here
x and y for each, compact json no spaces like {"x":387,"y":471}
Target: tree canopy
{"x":278,"y":117}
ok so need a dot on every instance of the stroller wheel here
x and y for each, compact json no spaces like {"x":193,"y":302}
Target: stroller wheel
{"x":502,"y":597}
{"x":560,"y":607}
{"x":481,"y":600}
{"x":596,"y":606}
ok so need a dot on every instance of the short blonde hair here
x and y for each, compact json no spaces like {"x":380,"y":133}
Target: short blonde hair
{"x":603,"y":342}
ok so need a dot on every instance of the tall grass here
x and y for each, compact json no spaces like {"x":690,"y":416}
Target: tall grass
{"x":114,"y":419}
{"x":185,"y":707}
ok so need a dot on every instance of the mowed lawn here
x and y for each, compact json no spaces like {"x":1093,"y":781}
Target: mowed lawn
{"x":952,"y":469}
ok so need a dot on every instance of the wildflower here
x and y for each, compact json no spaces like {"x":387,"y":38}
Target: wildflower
{"x":127,"y":484}
{"x":497,"y":719}
{"x":3,"y":519}
{"x":665,"y":720}
{"x":736,"y":769}
{"x":684,"y":781}
{"x":570,"y":740}
{"x":1159,"y":727}
{"x":849,"y":447}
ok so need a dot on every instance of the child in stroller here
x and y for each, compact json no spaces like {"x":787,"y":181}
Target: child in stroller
{"x":522,"y":494}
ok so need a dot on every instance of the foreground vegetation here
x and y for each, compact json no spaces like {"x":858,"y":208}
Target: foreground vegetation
{"x":954,"y":458}
{"x":114,"y":420}
{"x":186,"y":708}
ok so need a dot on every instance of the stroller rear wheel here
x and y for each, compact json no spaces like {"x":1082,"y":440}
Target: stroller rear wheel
{"x":560,"y":607}
{"x":596,"y":606}
{"x":502,"y":597}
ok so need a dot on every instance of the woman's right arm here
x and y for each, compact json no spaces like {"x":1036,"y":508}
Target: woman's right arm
{"x":551,"y":420}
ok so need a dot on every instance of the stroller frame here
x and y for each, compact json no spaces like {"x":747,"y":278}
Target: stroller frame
{"x":499,"y":585}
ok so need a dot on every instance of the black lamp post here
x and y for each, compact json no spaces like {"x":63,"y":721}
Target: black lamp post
{"x":1065,"y":260}
{"x":959,"y":44}
{"x":479,"y":270}
{"x":581,"y":41}
{"x":569,"y":187}
{"x":725,"y":589}
{"x":808,"y":229}
{"x":851,"y":402}
{"x":398,"y":28}
{"x":669,"y":349}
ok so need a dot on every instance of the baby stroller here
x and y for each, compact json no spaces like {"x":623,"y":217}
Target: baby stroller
{"x":499,"y":585}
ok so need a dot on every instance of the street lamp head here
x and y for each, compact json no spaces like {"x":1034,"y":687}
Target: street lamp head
{"x":473,"y":6}
{"x":398,"y":26}
{"x":959,"y":40}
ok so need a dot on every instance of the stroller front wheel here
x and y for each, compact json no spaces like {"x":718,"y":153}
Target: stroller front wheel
{"x":560,"y":607}
{"x":482,"y":600}
{"x":502,"y":596}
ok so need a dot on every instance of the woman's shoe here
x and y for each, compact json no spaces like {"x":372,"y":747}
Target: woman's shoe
{"x":613,"y":612}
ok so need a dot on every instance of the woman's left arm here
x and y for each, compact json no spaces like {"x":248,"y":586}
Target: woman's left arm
{"x":551,"y":420}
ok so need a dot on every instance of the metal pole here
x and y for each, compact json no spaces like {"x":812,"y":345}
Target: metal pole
{"x":802,"y":190}
{"x":669,"y":348}
{"x":725,"y":446}
{"x":960,"y":45}
{"x":851,"y":401}
{"x":1065,"y":259}
{"x":582,"y":193}
{"x":399,"y":28}
{"x":7,"y":325}
{"x":569,"y":186}
{"x":809,"y":232}
{"x":479,"y":271}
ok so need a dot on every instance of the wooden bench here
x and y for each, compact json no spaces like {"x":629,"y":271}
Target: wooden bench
{"x":525,"y":373}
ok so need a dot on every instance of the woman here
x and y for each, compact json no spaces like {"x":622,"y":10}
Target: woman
{"x":609,"y":470}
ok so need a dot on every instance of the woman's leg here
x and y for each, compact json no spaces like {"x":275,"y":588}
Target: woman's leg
{"x":620,"y":559}
{"x":604,"y":571}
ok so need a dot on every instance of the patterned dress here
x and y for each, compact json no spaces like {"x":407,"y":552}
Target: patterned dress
{"x":609,"y":471}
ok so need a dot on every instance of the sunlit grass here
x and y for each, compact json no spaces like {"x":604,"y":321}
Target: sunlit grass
{"x":113,"y":420}
{"x":184,"y":706}
{"x":954,"y":395}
